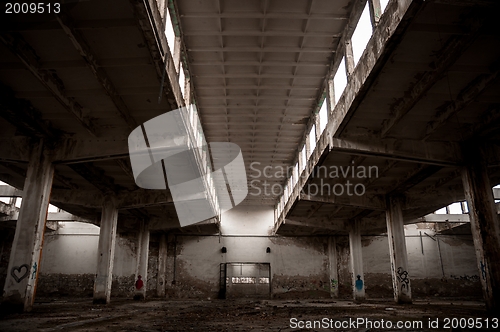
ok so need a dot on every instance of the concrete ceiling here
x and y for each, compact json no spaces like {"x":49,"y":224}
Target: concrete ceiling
{"x":259,"y":70}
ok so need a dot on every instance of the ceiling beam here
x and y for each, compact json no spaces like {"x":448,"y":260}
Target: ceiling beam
{"x":435,"y":153}
{"x":375,"y":202}
{"x":268,"y":63}
{"x":454,"y":47}
{"x":90,"y":58}
{"x":257,"y":49}
{"x":464,"y":98}
{"x":267,"y":15}
{"x":96,"y":176}
{"x":19,"y":47}
{"x":24,"y":116}
{"x":257,"y":33}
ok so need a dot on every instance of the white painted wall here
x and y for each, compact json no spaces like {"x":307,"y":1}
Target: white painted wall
{"x":72,"y":249}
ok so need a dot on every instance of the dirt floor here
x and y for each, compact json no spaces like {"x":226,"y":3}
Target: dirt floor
{"x":246,"y":315}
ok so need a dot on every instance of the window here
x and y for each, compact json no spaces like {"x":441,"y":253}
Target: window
{"x":303,"y":157}
{"x":340,"y":80}
{"x":361,"y":34}
{"x":312,"y":139}
{"x":169,"y":33}
{"x":383,"y":5}
{"x":323,"y":116}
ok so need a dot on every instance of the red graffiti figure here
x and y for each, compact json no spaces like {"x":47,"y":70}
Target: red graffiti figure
{"x":139,"y":283}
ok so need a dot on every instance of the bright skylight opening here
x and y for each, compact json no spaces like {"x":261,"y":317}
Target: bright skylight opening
{"x":323,"y":116}
{"x":340,"y":80}
{"x":182,"y":78}
{"x":383,"y":5}
{"x":312,"y":139}
{"x":169,"y":32}
{"x":304,"y":158}
{"x":361,"y":34}
{"x":455,"y":208}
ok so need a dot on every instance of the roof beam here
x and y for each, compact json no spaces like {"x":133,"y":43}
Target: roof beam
{"x":268,"y":63}
{"x":95,"y":176}
{"x":267,"y":15}
{"x":257,"y":49}
{"x":448,"y":55}
{"x":464,"y":98}
{"x":269,"y":33}
{"x":19,"y":47}
{"x":435,"y":153}
{"x":371,"y":203}
{"x":90,"y":58}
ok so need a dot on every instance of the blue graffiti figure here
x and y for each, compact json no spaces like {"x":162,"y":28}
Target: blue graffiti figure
{"x":483,"y":270}
{"x":33,"y":274}
{"x":359,"y":283}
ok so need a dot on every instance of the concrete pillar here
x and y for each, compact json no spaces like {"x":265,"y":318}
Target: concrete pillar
{"x":142,"y":262}
{"x":24,"y":262}
{"x":106,"y":251}
{"x":397,"y":251}
{"x":162,"y":267}
{"x":349,"y":59}
{"x":171,"y":253}
{"x":484,"y":222}
{"x":332,"y":264}
{"x":358,"y":278}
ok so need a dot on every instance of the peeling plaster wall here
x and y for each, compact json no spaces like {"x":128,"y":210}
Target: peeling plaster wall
{"x":69,"y":261}
{"x":447,"y":269}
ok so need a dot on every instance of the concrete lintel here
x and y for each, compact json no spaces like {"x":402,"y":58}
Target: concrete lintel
{"x":372,"y":203}
{"x":434,"y":153}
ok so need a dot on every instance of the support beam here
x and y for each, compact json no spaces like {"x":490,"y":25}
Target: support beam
{"x":372,"y":203}
{"x":397,"y":250}
{"x":90,"y":58}
{"x":332,"y":266}
{"x":484,"y":222}
{"x":161,"y":279}
{"x":356,"y":249}
{"x":464,"y":98}
{"x":435,"y":153}
{"x":171,"y":260}
{"x":453,"y":49}
{"x":106,"y":251}
{"x":24,"y":116}
{"x":24,"y":262}
{"x":141,"y":274}
{"x":19,"y":47}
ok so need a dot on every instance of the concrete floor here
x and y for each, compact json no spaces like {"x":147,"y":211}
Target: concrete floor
{"x":66,"y":314}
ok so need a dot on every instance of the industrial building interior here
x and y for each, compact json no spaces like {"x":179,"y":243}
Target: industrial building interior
{"x":368,"y":135}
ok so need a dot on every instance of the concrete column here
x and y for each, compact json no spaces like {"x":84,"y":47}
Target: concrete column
{"x":24,"y":262}
{"x":397,"y":251}
{"x":358,"y":278}
{"x":171,"y":252}
{"x":106,"y":251}
{"x":162,"y":267}
{"x":349,"y":59}
{"x":142,"y":261}
{"x":332,"y":264}
{"x":484,"y":223}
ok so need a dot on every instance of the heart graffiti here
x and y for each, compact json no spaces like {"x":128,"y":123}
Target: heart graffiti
{"x":20,"y":272}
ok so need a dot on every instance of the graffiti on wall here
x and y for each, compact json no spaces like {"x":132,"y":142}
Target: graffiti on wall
{"x":465,"y":277}
{"x":333,"y":284}
{"x":359,"y":283}
{"x":20,"y":272}
{"x":33,"y":274}
{"x":403,"y":278}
